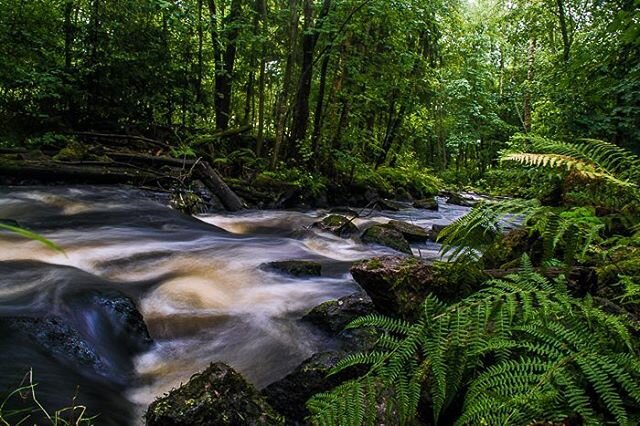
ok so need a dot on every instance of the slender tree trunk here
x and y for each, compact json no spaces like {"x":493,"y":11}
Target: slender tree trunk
{"x":531,"y":55}
{"x":283,"y":98}
{"x":199,"y":97}
{"x":68,"y":61}
{"x":319,"y":112}
{"x":262,"y":7}
{"x":93,"y":77}
{"x":566,"y":44}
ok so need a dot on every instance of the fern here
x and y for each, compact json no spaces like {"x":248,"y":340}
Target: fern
{"x":518,"y":351}
{"x":593,"y":159}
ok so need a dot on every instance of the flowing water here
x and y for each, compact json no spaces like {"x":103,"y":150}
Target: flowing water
{"x":197,"y":282}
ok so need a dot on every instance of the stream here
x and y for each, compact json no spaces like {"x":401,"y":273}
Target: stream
{"x":197,"y":282}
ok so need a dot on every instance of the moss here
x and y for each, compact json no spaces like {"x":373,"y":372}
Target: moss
{"x":74,"y":151}
{"x":297,"y":268}
{"x":338,"y":225}
{"x":218,"y":395}
{"x":387,"y":235}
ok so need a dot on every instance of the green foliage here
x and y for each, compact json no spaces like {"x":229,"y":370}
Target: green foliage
{"x":30,"y":235}
{"x":592,"y":159}
{"x":312,"y":183}
{"x":74,"y":415}
{"x":518,"y":351}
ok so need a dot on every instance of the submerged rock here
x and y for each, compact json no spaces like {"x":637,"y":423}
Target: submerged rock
{"x":290,"y":394}
{"x":427,"y":204}
{"x":411,"y":232}
{"x":398,"y":285}
{"x":297,"y":268}
{"x":338,"y":225}
{"x":216,"y":396}
{"x":386,"y":235}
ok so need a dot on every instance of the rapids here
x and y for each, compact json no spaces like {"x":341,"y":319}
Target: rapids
{"x":196,"y":281}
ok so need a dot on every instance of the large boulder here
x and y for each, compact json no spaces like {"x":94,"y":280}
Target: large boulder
{"x":290,"y":394}
{"x":398,"y":285}
{"x":216,"y":396}
{"x":338,"y":225}
{"x":297,"y":268}
{"x":386,"y":235}
{"x":413,"y":233}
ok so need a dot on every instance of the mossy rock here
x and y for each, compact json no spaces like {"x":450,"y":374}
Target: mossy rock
{"x":461,"y":200}
{"x":74,"y":151}
{"x":290,"y":394}
{"x":411,"y":232}
{"x":435,"y":231}
{"x":506,"y":252}
{"x":388,"y":236}
{"x":427,"y":204}
{"x":297,"y":268}
{"x":216,"y":396}
{"x":338,"y":225}
{"x":398,"y":285}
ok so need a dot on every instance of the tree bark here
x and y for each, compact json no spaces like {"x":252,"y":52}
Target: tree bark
{"x":262,"y":10}
{"x":284,"y":96}
{"x":531,"y":55}
{"x":566,"y":44}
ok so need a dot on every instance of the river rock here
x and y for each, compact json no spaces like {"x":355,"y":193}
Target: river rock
{"x":338,"y":225}
{"x":55,"y":337}
{"x":386,"y":235}
{"x":461,"y":200}
{"x":297,"y":268}
{"x":398,"y":285}
{"x":506,"y":252}
{"x":434,"y":233}
{"x":125,"y":320}
{"x":290,"y":394}
{"x":392,"y":205}
{"x":427,"y":204}
{"x":216,"y":396}
{"x":334,"y":315}
{"x":411,"y":232}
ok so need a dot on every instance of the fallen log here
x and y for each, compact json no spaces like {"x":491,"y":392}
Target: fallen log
{"x":116,"y":137}
{"x":214,"y":183}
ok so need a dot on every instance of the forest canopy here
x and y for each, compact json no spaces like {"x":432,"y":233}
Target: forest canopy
{"x":334,"y":87}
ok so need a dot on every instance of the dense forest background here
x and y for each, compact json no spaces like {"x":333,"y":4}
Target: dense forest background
{"x":342,"y":89}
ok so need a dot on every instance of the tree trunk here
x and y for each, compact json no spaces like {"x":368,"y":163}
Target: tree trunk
{"x":262,"y":7}
{"x":531,"y":55}
{"x":224,"y":82}
{"x":566,"y":44}
{"x":283,"y":98}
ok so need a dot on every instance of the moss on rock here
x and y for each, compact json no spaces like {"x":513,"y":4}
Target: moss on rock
{"x":338,"y":225}
{"x":216,"y":396}
{"x":398,"y":285}
{"x":388,"y":236}
{"x":297,"y":268}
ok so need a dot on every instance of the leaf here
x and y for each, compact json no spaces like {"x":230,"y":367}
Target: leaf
{"x":32,"y":236}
